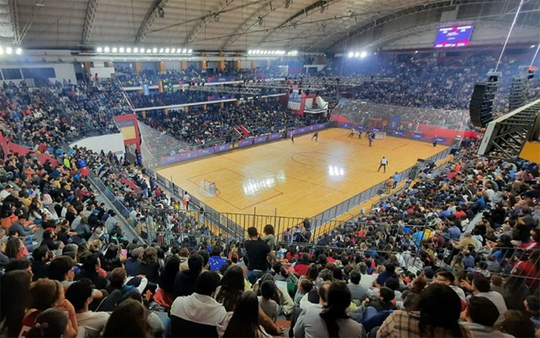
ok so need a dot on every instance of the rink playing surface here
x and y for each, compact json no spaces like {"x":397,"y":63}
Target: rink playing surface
{"x":299,"y":179}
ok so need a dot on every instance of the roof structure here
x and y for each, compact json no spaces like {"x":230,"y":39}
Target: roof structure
{"x":231,"y":25}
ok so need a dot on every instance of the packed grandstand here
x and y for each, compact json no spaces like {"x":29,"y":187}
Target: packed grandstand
{"x":98,"y":244}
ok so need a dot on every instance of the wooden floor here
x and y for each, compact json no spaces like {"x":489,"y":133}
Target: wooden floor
{"x":298,"y":179}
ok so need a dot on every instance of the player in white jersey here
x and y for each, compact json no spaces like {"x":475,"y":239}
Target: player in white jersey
{"x":384,"y":163}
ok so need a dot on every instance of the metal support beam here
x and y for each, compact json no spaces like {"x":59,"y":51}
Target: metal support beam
{"x":15,"y":21}
{"x":226,"y":89}
{"x":205,"y":20}
{"x":297,"y":17}
{"x":263,"y":11}
{"x":91,"y":10}
{"x":506,"y":136}
{"x":151,"y":15}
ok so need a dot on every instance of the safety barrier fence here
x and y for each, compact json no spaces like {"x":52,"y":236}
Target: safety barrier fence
{"x":234,"y":225}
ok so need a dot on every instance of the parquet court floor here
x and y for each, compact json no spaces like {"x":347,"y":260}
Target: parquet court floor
{"x":299,"y":179}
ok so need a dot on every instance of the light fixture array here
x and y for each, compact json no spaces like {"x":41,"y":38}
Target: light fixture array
{"x":144,"y":51}
{"x":259,"y":52}
{"x":360,"y":55}
{"x":10,"y":50}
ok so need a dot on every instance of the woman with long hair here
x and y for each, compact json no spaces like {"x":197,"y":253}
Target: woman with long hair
{"x":15,"y":248}
{"x":14,"y":301}
{"x":165,"y":294}
{"x":46,"y":294}
{"x":51,"y":323}
{"x":231,"y":287}
{"x":333,"y":320}
{"x":430,"y":318}
{"x":132,"y":312}
{"x":150,"y":265}
{"x":111,"y":259}
{"x":244,"y":322}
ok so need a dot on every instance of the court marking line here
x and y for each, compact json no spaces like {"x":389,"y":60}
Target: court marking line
{"x":279,"y":193}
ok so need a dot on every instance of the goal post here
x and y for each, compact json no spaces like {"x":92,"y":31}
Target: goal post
{"x":208,"y":188}
{"x":380,"y":135}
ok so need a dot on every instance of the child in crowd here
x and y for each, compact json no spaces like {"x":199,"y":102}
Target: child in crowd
{"x":304,"y":287}
{"x":266,"y":301}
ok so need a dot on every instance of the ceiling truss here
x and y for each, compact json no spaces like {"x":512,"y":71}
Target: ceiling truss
{"x":262,"y":12}
{"x":91,"y":10}
{"x":149,"y":19}
{"x":205,"y":20}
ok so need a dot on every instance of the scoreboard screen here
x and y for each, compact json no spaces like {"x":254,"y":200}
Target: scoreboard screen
{"x":456,"y":36}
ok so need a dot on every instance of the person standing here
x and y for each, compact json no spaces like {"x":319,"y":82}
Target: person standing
{"x":370,"y":139}
{"x":352,"y":132}
{"x":359,"y":134}
{"x":435,"y":140}
{"x":397,"y":178}
{"x":186,"y":199}
{"x":292,"y":136}
{"x":257,"y":253}
{"x":384,"y":163}
{"x":315,"y":136}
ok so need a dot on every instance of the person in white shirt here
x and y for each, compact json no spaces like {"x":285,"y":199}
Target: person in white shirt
{"x":482,"y":288}
{"x":384,"y":163}
{"x":80,"y":295}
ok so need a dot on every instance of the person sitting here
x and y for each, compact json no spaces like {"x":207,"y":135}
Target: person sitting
{"x":129,"y":319}
{"x":133,"y":263}
{"x":184,"y":282}
{"x":480,"y":316}
{"x":532,"y":307}
{"x":358,"y":291}
{"x":244,"y":321}
{"x":216,"y":261}
{"x":198,"y":314}
{"x":266,"y":301}
{"x":429,"y":318}
{"x":332,"y":320}
{"x":481,"y":288}
{"x":80,"y":295}
{"x":51,"y":323}
{"x":383,"y":300}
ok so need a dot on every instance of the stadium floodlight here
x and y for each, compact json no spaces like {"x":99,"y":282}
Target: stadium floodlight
{"x":161,"y":50}
{"x":415,"y":52}
{"x":99,"y":50}
{"x":250,"y":52}
{"x":18,"y":51}
{"x":532,"y":46}
{"x":173,"y":51}
{"x":114,"y":50}
{"x":351,"y":54}
{"x":128,"y":50}
{"x":363,"y":55}
{"x":136,"y":50}
{"x":121,"y":50}
{"x":106,"y":49}
{"x":154,"y":50}
{"x":167,"y":50}
{"x":190,"y":51}
{"x":357,"y":54}
{"x":9,"y":50}
{"x":184,"y":51}
{"x":1,"y":51}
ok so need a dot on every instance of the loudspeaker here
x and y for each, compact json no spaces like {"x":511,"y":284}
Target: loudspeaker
{"x":481,"y":104}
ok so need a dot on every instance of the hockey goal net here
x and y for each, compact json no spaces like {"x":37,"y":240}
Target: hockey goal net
{"x":208,"y":188}
{"x":380,"y":135}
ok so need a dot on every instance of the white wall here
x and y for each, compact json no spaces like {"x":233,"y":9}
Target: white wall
{"x":63,"y":71}
{"x":175,"y":65}
{"x":112,"y":142}
{"x":103,"y":72}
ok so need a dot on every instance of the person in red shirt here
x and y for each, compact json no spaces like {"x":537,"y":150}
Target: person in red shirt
{"x":302,"y":265}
